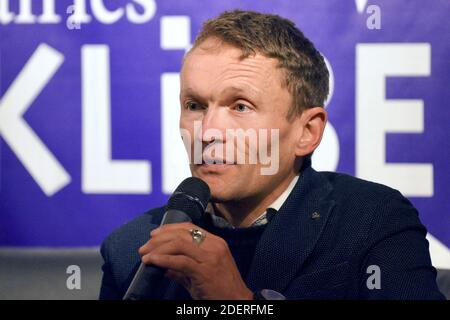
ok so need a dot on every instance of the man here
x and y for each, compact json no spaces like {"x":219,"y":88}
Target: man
{"x":294,"y":233}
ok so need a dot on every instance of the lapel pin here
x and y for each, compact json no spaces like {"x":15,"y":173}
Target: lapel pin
{"x":315,"y":215}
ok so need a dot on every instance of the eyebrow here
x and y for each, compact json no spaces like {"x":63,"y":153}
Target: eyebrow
{"x":189,"y":92}
{"x":234,"y":89}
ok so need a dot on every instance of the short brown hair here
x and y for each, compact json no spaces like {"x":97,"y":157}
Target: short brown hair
{"x":275,"y":37}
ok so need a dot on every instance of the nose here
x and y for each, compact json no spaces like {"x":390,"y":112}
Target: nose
{"x":213,"y":125}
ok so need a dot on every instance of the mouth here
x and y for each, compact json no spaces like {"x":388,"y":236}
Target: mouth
{"x":215,"y":165}
{"x":215,"y":161}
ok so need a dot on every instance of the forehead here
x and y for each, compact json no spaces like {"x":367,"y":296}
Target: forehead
{"x":214,"y":65}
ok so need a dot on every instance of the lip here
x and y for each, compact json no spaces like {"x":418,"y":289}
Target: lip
{"x":215,"y":167}
{"x":210,"y":161}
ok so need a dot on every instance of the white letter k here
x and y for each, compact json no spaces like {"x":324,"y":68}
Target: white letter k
{"x":49,"y":174}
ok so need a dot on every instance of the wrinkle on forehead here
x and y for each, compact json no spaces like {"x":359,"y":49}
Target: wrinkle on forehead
{"x":255,"y":72}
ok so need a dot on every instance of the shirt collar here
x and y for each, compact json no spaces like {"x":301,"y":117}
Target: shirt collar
{"x":262,"y":219}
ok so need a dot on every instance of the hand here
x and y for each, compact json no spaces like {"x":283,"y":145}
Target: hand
{"x":207,"y":270}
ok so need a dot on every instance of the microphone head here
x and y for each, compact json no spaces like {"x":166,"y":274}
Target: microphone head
{"x":191,"y":197}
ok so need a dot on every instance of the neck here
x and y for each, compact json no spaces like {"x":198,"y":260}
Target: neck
{"x":242,"y":213}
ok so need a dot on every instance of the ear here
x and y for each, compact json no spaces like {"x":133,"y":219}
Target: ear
{"x":313,"y":121}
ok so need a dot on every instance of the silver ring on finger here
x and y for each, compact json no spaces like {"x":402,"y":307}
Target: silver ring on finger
{"x":197,"y":236}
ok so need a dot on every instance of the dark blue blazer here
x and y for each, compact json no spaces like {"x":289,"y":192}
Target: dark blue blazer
{"x":328,"y":241}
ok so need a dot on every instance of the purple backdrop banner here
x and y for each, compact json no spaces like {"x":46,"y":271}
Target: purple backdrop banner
{"x":88,"y":108}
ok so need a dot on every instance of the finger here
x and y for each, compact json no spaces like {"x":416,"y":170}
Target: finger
{"x":170,"y":235}
{"x":184,"y":234}
{"x":177,"y":247}
{"x":146,"y":247}
{"x":158,"y":240}
{"x":164,"y":237}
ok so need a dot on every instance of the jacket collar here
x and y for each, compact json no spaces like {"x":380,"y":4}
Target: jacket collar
{"x":292,"y":234}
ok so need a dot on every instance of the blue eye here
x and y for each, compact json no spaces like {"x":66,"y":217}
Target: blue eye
{"x":241,"y":108}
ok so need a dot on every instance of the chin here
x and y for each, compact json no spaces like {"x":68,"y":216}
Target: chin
{"x":223,"y":197}
{"x":219,"y":187}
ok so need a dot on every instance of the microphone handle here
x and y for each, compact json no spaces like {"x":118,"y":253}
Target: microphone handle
{"x":146,"y":282}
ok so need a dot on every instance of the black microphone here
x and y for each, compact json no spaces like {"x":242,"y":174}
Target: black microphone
{"x":187,"y":203}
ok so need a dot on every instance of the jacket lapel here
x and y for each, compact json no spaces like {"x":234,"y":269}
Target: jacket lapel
{"x":292,"y":234}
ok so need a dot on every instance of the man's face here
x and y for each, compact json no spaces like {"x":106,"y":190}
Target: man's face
{"x":222,"y":92}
